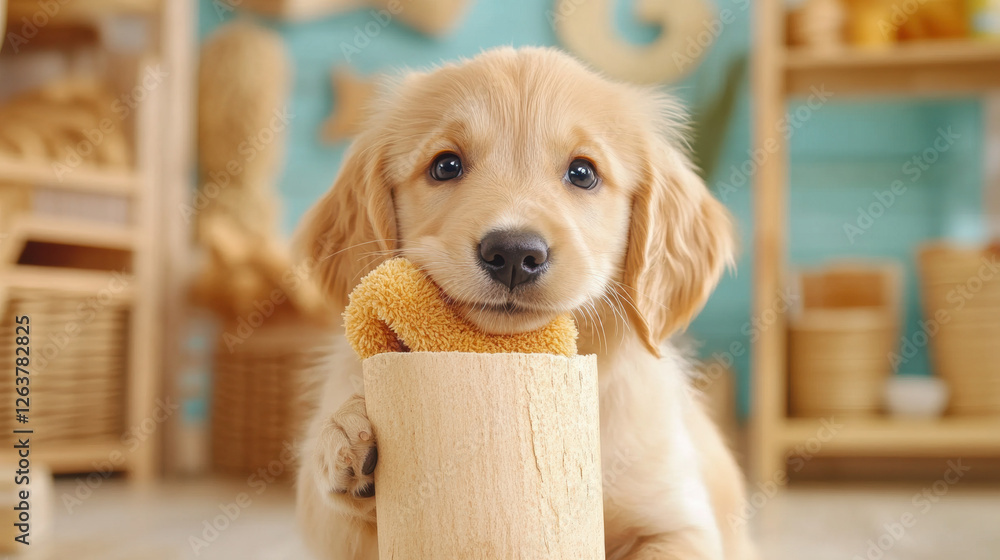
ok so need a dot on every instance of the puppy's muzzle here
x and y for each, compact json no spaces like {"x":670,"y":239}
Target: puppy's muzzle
{"x":512,"y":257}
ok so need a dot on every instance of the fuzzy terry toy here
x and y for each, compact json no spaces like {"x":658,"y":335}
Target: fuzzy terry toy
{"x":397,"y":308}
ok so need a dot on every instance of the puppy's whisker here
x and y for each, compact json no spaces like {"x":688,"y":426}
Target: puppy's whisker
{"x":619,"y":308}
{"x":355,"y":246}
{"x":380,"y":253}
{"x":629,"y":299}
{"x":604,"y":330}
{"x":597,"y":324}
{"x":367,"y":267}
{"x":614,"y":310}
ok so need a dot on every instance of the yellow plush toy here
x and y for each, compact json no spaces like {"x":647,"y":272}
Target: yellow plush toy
{"x":397,"y":308}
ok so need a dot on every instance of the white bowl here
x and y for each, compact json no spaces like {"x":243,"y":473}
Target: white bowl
{"x":916,"y":396}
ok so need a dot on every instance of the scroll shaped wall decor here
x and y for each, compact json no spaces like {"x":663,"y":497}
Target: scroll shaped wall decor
{"x":689,"y":27}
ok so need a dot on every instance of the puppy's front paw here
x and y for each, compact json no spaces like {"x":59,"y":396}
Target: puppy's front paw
{"x":347,"y":453}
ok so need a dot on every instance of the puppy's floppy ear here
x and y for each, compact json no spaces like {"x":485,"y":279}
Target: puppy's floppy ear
{"x":680,"y":240}
{"x":352,"y":229}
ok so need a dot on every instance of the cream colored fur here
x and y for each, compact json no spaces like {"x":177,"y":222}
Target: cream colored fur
{"x":634,"y":259}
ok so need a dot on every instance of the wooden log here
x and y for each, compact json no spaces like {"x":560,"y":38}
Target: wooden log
{"x":493,"y":456}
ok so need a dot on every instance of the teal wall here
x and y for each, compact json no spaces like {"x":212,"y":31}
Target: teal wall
{"x":842,"y":154}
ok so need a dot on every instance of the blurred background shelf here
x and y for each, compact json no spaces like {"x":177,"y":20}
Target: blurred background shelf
{"x":88,"y":251}
{"x":884,"y":66}
{"x":88,"y":180}
{"x":885,"y":437}
{"x":915,"y":55}
{"x":84,"y":9}
{"x":920,"y":68}
{"x":61,"y":232}
{"x":64,"y":280}
{"x":78,"y":457}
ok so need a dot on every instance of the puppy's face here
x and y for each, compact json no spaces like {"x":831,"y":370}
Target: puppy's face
{"x":513,"y":190}
{"x":526,"y":187}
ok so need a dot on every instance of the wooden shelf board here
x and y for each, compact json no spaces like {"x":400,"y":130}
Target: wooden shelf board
{"x":76,"y":232}
{"x":914,"y":54}
{"x":299,"y":10}
{"x":75,"y":11}
{"x":920,"y":68}
{"x":75,"y":457}
{"x":67,"y":280}
{"x":80,"y":179}
{"x":64,"y":231}
{"x":881,"y":437}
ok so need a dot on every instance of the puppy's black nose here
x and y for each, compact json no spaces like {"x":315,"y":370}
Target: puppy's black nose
{"x":513,"y":257}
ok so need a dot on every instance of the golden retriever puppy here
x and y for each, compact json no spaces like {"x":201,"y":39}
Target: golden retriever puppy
{"x":527,"y":186}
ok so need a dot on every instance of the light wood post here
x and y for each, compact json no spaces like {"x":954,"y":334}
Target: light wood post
{"x":770,"y":229}
{"x":492,"y":456}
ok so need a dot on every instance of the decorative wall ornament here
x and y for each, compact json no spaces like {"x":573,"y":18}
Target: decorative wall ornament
{"x":689,"y":27}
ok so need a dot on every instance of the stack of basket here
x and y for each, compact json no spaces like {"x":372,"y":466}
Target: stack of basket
{"x":77,"y":372}
{"x":841,"y":334}
{"x":961,"y":299}
{"x":259,"y":397}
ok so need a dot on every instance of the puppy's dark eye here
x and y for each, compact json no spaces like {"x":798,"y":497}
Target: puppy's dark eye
{"x":581,"y":173}
{"x":446,"y":166}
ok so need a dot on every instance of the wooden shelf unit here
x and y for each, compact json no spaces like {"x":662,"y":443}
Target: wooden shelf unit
{"x":63,"y":280}
{"x":928,"y":69}
{"x":79,"y":457}
{"x":87,"y":180}
{"x":924,"y":68}
{"x":155,"y":240}
{"x":885,"y":437}
{"x":46,"y":229}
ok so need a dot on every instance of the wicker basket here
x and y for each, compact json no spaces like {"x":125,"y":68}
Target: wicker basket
{"x":77,"y":367}
{"x":840,"y":336}
{"x":961,"y":297}
{"x":259,"y":404}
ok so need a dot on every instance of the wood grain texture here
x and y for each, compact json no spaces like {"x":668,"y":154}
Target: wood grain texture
{"x":486,"y":455}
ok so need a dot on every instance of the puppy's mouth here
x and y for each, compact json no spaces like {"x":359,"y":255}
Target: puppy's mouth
{"x":497,"y":311}
{"x":509,"y":308}
{"x":504,"y":318}
{"x":506,"y":308}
